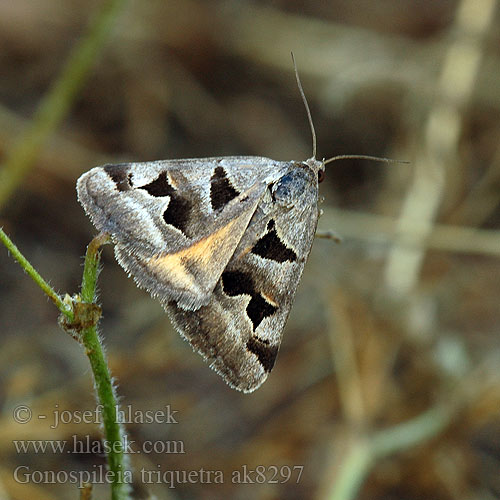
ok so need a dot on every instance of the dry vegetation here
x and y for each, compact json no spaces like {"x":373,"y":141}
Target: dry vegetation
{"x":399,"y":324}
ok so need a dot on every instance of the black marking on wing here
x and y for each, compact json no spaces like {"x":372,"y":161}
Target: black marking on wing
{"x":265,"y":353}
{"x":160,"y":186}
{"x":177,"y":212}
{"x":239,"y":283}
{"x":119,"y":175}
{"x":258,"y":309}
{"x":221,"y":189}
{"x":271,"y":247}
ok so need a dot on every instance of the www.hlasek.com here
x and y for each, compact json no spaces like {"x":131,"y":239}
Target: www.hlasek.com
{"x":270,"y":474}
{"x":87,"y":445}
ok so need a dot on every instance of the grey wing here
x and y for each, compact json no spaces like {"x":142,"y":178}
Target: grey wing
{"x":239,"y":331}
{"x":163,"y":217}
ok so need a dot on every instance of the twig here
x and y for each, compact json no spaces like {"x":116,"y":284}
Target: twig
{"x":441,"y":134}
{"x":367,"y":451}
{"x":384,"y":229}
{"x":329,"y":235}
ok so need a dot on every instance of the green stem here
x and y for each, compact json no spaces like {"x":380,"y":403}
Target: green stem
{"x":57,"y":103}
{"x":113,"y":432}
{"x":23,"y":262}
{"x":91,"y":268}
{"x":416,"y":431}
{"x":82,"y":317}
{"x":366,"y":451}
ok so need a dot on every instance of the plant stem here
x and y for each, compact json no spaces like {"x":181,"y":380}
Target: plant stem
{"x":366,"y":451}
{"x":82,"y":315}
{"x":113,"y":431}
{"x":23,"y":262}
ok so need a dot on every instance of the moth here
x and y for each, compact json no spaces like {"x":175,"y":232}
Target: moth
{"x":221,"y":242}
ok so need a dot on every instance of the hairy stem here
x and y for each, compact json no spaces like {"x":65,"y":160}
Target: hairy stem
{"x":113,"y":431}
{"x":35,"y":276}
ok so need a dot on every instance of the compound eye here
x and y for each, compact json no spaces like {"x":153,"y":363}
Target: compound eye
{"x":321,"y":175}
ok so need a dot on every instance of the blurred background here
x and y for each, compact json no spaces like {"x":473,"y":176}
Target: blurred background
{"x":387,"y":385}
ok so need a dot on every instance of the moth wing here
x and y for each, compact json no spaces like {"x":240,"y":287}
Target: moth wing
{"x":239,"y":331}
{"x":175,"y":224}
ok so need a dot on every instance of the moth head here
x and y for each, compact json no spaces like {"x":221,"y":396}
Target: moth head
{"x":317,"y":166}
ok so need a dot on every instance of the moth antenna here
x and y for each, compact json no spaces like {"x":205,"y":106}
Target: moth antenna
{"x":304,"y":100}
{"x":362,"y":157}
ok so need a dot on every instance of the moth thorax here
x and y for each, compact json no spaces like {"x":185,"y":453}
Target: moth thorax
{"x":292,"y":186}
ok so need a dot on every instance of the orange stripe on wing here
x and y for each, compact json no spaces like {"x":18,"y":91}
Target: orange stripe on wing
{"x":175,"y":266}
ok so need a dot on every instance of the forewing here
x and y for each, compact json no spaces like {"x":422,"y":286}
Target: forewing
{"x":239,"y":331}
{"x":175,"y":224}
